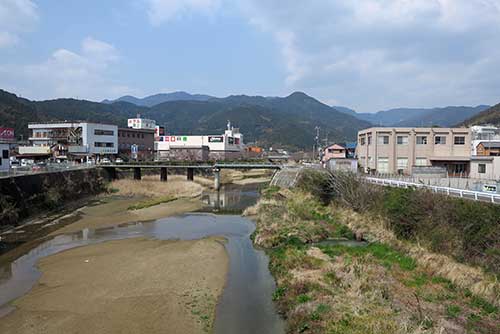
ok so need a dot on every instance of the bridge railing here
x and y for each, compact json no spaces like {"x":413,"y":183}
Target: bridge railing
{"x":462,"y":193}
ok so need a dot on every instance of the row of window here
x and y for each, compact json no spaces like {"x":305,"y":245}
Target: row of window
{"x":99,"y":132}
{"x":421,"y":140}
{"x":102,"y":144}
{"x":133,"y":135}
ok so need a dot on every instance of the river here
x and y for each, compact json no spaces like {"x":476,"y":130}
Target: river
{"x":246,"y":303}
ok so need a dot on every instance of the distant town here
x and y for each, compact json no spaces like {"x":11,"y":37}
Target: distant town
{"x":422,"y":152}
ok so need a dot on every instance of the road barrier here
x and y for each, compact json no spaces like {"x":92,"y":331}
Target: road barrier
{"x":462,"y":193}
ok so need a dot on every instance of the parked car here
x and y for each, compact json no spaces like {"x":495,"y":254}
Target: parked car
{"x":105,"y":161}
{"x":119,"y":160}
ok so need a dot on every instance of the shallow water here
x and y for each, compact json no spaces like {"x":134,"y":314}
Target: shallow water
{"x":246,"y":304}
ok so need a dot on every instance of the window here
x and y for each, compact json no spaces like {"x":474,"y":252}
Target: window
{"x":440,"y":140}
{"x":369,"y":140}
{"x":459,"y":140}
{"x":421,"y":162}
{"x":402,"y":140}
{"x":421,"y":140}
{"x":100,"y":144}
{"x":402,"y":163}
{"x":383,"y":140}
{"x":481,"y":168}
{"x":5,"y":154}
{"x":383,"y":165}
{"x":362,"y":140}
{"x":99,"y":132}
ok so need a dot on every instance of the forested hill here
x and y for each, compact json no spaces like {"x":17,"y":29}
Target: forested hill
{"x":489,"y":116}
{"x":287,"y":122}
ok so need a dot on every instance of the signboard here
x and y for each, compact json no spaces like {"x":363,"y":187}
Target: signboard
{"x":216,"y":139}
{"x":134,"y":149}
{"x":7,"y":133}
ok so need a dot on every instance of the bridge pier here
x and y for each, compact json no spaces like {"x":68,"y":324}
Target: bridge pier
{"x":216,"y":178}
{"x":163,"y":174}
{"x":190,"y":174}
{"x":111,"y":173}
{"x":137,"y":173}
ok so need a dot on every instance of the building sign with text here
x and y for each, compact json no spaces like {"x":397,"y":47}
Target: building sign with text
{"x":6,"y":133}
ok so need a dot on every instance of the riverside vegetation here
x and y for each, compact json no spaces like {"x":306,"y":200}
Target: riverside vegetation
{"x":430,"y":265}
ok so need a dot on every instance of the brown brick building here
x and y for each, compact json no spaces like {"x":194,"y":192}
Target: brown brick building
{"x":142,"y":138}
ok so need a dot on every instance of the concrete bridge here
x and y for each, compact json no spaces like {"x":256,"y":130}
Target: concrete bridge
{"x":215,"y":168}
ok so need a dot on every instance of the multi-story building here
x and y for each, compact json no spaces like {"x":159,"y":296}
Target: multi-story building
{"x":7,"y":138}
{"x":136,"y":144}
{"x":75,"y":139}
{"x":228,"y":145}
{"x":400,"y":150}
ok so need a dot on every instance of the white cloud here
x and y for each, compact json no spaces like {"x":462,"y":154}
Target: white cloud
{"x":372,"y":53}
{"x":161,"y":11}
{"x":85,"y":74}
{"x":16,"y":17}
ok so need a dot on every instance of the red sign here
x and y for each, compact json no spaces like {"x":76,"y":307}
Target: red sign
{"x":6,"y":133}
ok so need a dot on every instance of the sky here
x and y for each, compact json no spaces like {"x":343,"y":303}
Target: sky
{"x":368,"y":55}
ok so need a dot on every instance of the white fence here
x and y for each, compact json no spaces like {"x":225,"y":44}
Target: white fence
{"x":468,"y":194}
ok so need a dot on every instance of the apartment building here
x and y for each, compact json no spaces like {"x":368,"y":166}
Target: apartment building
{"x":76,"y":139}
{"x":399,"y":150}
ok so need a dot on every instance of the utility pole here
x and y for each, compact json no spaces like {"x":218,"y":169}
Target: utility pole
{"x":318,"y":145}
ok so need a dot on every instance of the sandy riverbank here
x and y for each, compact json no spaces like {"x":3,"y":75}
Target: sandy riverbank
{"x":125,"y":286}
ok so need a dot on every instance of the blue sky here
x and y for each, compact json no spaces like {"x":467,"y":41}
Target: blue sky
{"x":366,"y":54}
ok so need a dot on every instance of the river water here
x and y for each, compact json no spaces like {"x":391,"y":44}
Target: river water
{"x":246,"y":303}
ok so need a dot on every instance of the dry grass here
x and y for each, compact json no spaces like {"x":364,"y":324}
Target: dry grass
{"x":151,"y":186}
{"x":375,"y":228}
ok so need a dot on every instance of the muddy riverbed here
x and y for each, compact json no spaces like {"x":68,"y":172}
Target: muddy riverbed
{"x":240,"y":286}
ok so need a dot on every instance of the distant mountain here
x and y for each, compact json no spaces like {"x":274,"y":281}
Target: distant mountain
{"x":409,"y":117}
{"x":287,"y":122}
{"x":150,"y":101}
{"x":489,"y":116}
{"x":346,"y":110}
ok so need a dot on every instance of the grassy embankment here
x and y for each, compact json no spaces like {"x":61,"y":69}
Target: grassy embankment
{"x":418,"y":274}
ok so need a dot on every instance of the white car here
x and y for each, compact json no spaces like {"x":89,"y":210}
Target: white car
{"x":105,"y":161}
{"x":119,"y":160}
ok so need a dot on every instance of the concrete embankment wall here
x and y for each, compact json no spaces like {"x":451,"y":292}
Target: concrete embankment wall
{"x":24,"y":196}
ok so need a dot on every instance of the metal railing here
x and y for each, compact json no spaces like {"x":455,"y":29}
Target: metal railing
{"x":462,"y":193}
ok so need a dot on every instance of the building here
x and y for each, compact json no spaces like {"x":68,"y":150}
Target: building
{"x":71,"y":140}
{"x":4,"y":157}
{"x":7,"y":138}
{"x":226,"y":146}
{"x":399,"y":150}
{"x":137,"y":144}
{"x":485,"y":167}
{"x":488,"y":148}
{"x":334,"y":151}
{"x":484,"y":133}
{"x":141,"y":123}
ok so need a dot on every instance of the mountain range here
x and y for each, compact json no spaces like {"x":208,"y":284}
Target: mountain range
{"x":402,"y":117}
{"x":489,"y":116}
{"x":410,"y":117}
{"x":288,"y":122}
{"x":152,"y":100}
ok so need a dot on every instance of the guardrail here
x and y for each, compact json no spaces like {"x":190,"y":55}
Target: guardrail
{"x":462,"y":193}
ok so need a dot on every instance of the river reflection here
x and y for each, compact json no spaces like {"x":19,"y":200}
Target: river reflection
{"x":246,"y":303}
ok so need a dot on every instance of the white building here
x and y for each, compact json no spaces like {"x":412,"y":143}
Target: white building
{"x":4,"y":157}
{"x":224,"y":146}
{"x":73,"y":138}
{"x":483,"y":133}
{"x":141,"y":123}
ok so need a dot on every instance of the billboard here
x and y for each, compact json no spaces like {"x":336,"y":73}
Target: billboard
{"x":215,"y":139}
{"x":7,"y":133}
